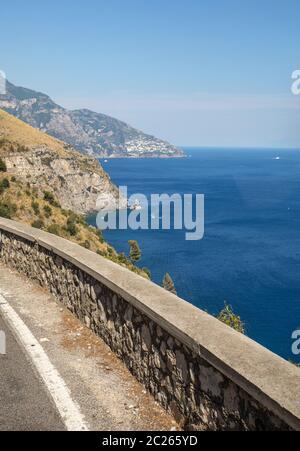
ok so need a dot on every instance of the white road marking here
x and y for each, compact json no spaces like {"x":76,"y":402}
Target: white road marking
{"x":67,"y":408}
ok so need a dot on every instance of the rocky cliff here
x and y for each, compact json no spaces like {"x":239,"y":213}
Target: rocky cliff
{"x":88,"y":132}
{"x":47,"y":164}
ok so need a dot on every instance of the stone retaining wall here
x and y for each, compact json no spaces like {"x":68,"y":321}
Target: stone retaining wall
{"x":207,"y":375}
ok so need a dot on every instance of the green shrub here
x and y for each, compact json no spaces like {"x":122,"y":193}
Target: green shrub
{"x":86,"y":244}
{"x":7,"y":209}
{"x":4,"y":184}
{"x":110,"y":251}
{"x":78,"y":219}
{"x":3,"y":167}
{"x":71,"y":227}
{"x":54,"y":229}
{"x":38,"y":224}
{"x":135,"y":252}
{"x":100,"y":236}
{"x":36,"y":208}
{"x":95,"y":231}
{"x":148,"y":272}
{"x":48,"y":211}
{"x":4,"y":211}
{"x":49,"y":197}
{"x":81,"y":220}
{"x":122,"y":258}
{"x":228,"y":317}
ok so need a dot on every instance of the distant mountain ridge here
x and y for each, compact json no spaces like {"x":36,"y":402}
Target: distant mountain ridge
{"x":89,"y":132}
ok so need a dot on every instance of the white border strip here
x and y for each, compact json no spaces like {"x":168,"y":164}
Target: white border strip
{"x":67,"y":408}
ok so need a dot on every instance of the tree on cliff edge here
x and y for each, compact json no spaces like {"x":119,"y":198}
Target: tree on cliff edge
{"x":228,"y":317}
{"x":168,"y":284}
{"x":135,"y":251}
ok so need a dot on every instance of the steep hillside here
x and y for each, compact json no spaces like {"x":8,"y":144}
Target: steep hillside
{"x":45,"y":184}
{"x":49,"y":164}
{"x":89,"y":132}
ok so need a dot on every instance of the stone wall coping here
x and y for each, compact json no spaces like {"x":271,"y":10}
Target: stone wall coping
{"x":266,"y":377}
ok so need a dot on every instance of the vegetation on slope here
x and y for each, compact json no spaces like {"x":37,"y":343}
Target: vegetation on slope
{"x":168,"y":284}
{"x":17,"y":137}
{"x":135,"y":251}
{"x":228,"y":317}
{"x":23,"y":199}
{"x":22,"y":203}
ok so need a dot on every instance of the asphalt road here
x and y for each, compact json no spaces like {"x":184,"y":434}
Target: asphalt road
{"x":24,"y":402}
{"x":93,"y":389}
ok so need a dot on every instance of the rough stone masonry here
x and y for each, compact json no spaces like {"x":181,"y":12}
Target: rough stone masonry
{"x":179,"y":378}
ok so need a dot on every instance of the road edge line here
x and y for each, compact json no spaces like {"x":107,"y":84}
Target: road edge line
{"x":54,"y":383}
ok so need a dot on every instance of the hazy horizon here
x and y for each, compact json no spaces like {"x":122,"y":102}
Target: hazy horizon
{"x":200,"y":147}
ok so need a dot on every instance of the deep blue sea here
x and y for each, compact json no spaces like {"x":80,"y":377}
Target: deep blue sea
{"x":250,"y":253}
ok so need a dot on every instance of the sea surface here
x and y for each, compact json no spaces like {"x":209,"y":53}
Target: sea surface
{"x":250,"y":253}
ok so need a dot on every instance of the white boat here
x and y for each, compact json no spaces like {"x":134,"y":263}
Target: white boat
{"x":136,"y":206}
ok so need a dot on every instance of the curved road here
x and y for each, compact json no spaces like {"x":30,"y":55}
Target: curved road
{"x":57,"y":375}
{"x":24,"y":402}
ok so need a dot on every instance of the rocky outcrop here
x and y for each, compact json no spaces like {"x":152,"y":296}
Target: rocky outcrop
{"x":75,"y":183}
{"x":75,"y":180}
{"x":89,"y":132}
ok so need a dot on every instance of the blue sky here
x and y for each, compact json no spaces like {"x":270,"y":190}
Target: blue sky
{"x":202,"y":73}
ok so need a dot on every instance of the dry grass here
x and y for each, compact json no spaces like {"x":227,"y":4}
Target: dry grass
{"x":30,"y":208}
{"x":23,"y":204}
{"x":20,"y":134}
{"x":17,"y":136}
